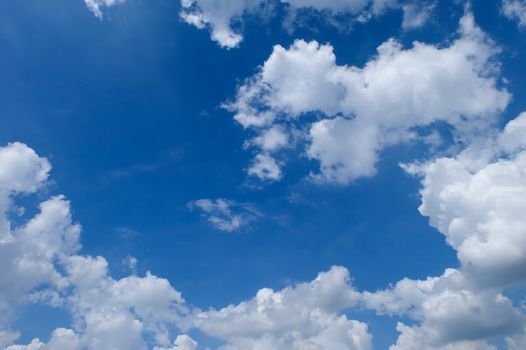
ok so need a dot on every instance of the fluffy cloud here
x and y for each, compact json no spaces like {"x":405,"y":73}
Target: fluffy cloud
{"x":453,"y":313}
{"x":96,"y":5}
{"x":478,"y":204}
{"x":481,"y":211}
{"x":30,"y":253}
{"x":360,"y":111}
{"x":40,"y":265}
{"x":182,"y":342}
{"x":226,"y":215}
{"x":515,"y":10}
{"x":22,"y":171}
{"x":223,"y":17}
{"x":305,"y":316}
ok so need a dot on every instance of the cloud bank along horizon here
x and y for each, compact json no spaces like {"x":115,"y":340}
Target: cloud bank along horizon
{"x":475,"y":198}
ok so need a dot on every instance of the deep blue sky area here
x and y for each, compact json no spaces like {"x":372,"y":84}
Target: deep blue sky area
{"x":128,"y":111}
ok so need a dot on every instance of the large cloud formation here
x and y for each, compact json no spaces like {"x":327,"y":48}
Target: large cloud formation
{"x":475,"y":199}
{"x":360,"y":111}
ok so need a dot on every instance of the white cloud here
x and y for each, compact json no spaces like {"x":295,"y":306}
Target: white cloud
{"x":22,"y":171}
{"x":265,"y":167}
{"x":223,"y":17}
{"x":515,"y":10}
{"x":40,"y":265}
{"x":453,"y":313}
{"x":96,"y":5}
{"x":305,"y":316}
{"x":226,"y":215}
{"x":478,"y":205}
{"x":416,"y":14}
{"x":363,"y":110}
{"x":182,"y":342}
{"x":481,"y":211}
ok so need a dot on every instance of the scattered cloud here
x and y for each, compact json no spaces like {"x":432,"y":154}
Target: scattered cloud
{"x":222,"y":17}
{"x":515,"y":10}
{"x":95,"y":6}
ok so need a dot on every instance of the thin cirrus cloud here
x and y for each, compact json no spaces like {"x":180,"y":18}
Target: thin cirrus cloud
{"x":226,"y":215}
{"x":364,"y":110}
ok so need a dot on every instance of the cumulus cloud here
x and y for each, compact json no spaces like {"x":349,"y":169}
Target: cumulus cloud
{"x":41,"y":264}
{"x":182,"y":342}
{"x":226,"y":215}
{"x":96,"y":6}
{"x":223,"y":18}
{"x":305,"y":316}
{"x":360,"y":111}
{"x":480,"y":210}
{"x":478,"y":205}
{"x":515,"y":10}
{"x":453,"y":313}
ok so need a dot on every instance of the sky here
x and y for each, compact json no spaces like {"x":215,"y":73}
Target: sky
{"x":262,"y":175}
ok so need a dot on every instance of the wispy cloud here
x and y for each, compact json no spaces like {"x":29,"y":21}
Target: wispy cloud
{"x":226,"y":215}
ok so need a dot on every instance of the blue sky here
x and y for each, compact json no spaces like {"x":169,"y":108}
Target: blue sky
{"x":129,"y":107}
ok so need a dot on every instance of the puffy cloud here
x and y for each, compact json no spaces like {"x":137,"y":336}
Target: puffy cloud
{"x":40,"y":264}
{"x":223,"y":17}
{"x":96,"y":5}
{"x":360,"y":111}
{"x":226,"y":215}
{"x":22,"y":171}
{"x":305,"y":316}
{"x":453,"y":314}
{"x":61,"y":339}
{"x":515,"y":10}
{"x":481,"y":211}
{"x":478,"y":205}
{"x":182,"y":342}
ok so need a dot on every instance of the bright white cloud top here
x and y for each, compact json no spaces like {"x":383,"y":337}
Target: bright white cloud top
{"x":364,"y":110}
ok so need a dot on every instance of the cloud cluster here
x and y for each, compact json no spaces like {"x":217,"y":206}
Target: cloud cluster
{"x":223,"y":18}
{"x":345,"y":115}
